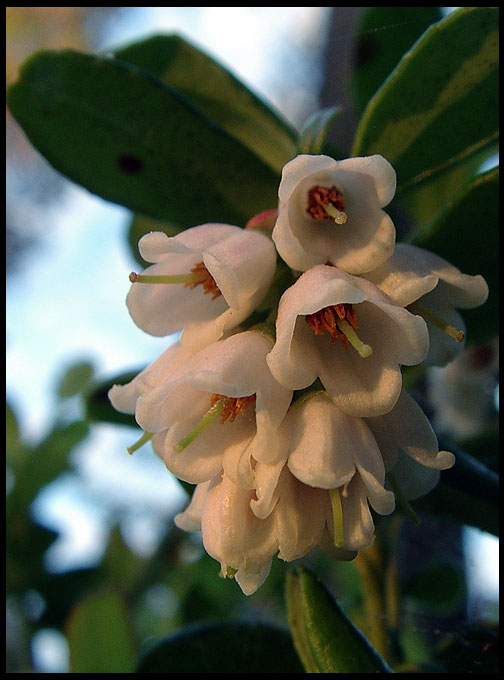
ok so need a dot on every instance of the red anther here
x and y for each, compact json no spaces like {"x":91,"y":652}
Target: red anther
{"x":326,"y":319}
{"x":233,"y":405}
{"x":207,"y":281}
{"x":319,"y":196}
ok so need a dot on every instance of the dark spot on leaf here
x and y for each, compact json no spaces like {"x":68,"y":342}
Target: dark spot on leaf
{"x":129,"y":163}
{"x":366,"y":49}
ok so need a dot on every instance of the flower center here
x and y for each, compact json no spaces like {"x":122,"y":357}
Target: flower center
{"x":340,"y":321}
{"x":220,"y":406}
{"x":199,"y":275}
{"x":326,"y":203}
{"x":233,"y":406}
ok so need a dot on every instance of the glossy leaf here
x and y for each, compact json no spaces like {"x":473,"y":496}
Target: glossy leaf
{"x":325,"y":638}
{"x":100,"y":636}
{"x":129,"y":138}
{"x":384,"y":34}
{"x":466,"y":233}
{"x":440,"y":104}
{"x":316,"y":129}
{"x":224,"y":648}
{"x":214,"y":90}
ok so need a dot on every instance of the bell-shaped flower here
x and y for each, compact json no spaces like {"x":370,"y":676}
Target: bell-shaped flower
{"x":345,"y":331}
{"x":207,"y":280}
{"x":330,"y":212}
{"x":220,"y":409}
{"x":428,"y":285}
{"x":245,"y":544}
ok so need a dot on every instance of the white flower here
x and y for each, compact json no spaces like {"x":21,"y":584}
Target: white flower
{"x":430,"y":286}
{"x":211,"y":278}
{"x":330,"y":212}
{"x":369,"y":337}
{"x":220,"y":409}
{"x":245,"y":544}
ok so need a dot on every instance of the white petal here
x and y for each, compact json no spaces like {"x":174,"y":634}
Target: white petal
{"x":358,"y":525}
{"x":190,"y":518}
{"x":414,"y":480}
{"x":407,"y":428}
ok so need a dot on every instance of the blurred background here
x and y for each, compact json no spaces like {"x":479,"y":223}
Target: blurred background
{"x":92,"y":514}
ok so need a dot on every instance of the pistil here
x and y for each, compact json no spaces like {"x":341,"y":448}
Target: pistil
{"x":147,"y":436}
{"x":340,"y":321}
{"x":337,"y":515}
{"x":429,"y":315}
{"x":326,"y":203}
{"x":220,"y":407}
{"x":199,"y":275}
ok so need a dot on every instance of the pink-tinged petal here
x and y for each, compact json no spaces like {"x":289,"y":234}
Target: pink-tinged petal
{"x":124,"y":397}
{"x":383,"y":174}
{"x":190,"y":518}
{"x":234,"y":536}
{"x":300,"y":517}
{"x":266,"y":483}
{"x":358,"y":525}
{"x":298,"y":168}
{"x":382,"y":500}
{"x":398,"y":278}
{"x":323,"y":442}
{"x":407,"y":429}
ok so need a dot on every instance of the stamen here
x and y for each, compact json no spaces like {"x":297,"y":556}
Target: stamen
{"x":337,"y":514}
{"x":147,"y":436}
{"x":340,"y":321}
{"x":326,"y":203}
{"x":429,"y":315}
{"x":212,"y":414}
{"x":199,"y":275}
{"x":220,"y":406}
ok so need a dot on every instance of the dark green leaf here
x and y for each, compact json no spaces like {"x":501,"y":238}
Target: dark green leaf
{"x":129,"y":138}
{"x":75,"y":379}
{"x":325,"y":638}
{"x":384,"y":34}
{"x":316,"y":129}
{"x":224,"y":648}
{"x":214,"y":90}
{"x":439,"y":587}
{"x":466,"y":233}
{"x":440,"y":104}
{"x":98,"y":406}
{"x":100,"y":636}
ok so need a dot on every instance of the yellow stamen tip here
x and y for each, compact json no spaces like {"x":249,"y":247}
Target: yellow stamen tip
{"x":338,"y":216}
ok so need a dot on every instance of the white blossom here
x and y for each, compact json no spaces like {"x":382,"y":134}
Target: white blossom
{"x":330,"y":212}
{"x":361,"y":370}
{"x":430,"y":286}
{"x":210,"y":278}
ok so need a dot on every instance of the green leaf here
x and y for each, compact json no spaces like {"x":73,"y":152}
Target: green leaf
{"x":217,"y":93}
{"x":466,"y":233}
{"x":224,"y":648}
{"x":439,"y":587}
{"x":133,"y":140}
{"x":100,"y":636}
{"x":97,"y":403}
{"x":384,"y":34}
{"x":316,"y":129}
{"x":440,"y":104}
{"x":75,"y":379}
{"x":325,"y":638}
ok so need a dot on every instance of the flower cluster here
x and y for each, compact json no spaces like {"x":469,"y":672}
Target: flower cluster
{"x":283,"y":400}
